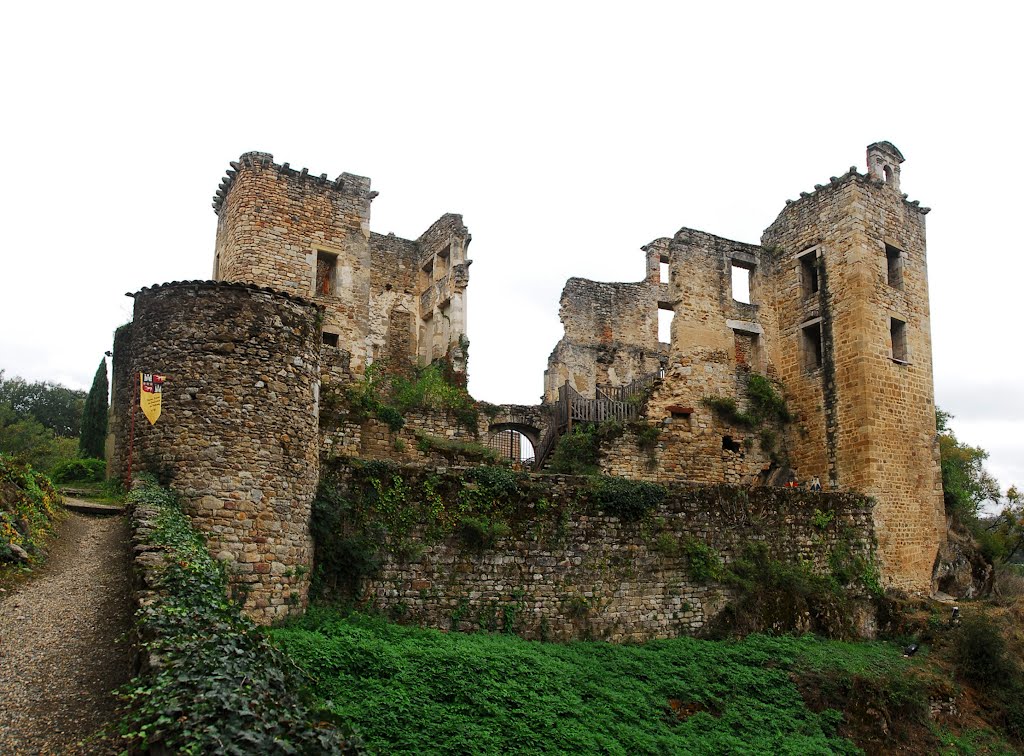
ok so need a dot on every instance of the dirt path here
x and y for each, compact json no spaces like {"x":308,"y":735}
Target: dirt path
{"x":62,"y":641}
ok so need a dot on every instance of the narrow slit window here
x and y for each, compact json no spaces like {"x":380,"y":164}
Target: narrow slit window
{"x":898,"y":337}
{"x":809,"y":273}
{"x":894,"y":267}
{"x":741,"y":284}
{"x":665,"y":315}
{"x":811,"y":337}
{"x":663,"y":270}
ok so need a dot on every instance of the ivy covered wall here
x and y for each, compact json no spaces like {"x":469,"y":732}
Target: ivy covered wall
{"x":561,"y":557}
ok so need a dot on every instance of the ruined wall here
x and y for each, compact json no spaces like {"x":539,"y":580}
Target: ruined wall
{"x":869,"y":413}
{"x":237,"y":436}
{"x":443,"y":278}
{"x":563,"y":573}
{"x":394,"y":301}
{"x":611,"y":336}
{"x":300,"y":234}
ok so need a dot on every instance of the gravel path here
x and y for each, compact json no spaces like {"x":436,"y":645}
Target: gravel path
{"x":62,"y":641}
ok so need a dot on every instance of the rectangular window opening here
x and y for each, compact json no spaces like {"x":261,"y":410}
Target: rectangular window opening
{"x":811,"y":337}
{"x":809,"y":273}
{"x":741,"y":283}
{"x":330,"y":339}
{"x":894,"y":267}
{"x":326,"y":264}
{"x":665,"y":315}
{"x":663,"y":270}
{"x":898,"y":337}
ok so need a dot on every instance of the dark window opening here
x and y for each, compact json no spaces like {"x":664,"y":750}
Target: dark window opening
{"x":894,"y":267}
{"x":325,"y":267}
{"x":330,"y":339}
{"x":811,"y":335}
{"x":888,"y":174}
{"x":741,"y":283}
{"x":809,"y":273}
{"x":898,"y":336}
{"x":729,"y":445}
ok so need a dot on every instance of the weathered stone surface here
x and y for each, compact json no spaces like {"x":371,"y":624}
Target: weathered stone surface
{"x":243,"y":456}
{"x":838,"y":312}
{"x":598,"y":576}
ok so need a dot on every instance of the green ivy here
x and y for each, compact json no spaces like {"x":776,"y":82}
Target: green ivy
{"x":220,"y":685}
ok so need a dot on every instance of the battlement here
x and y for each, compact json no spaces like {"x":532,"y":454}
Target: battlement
{"x":349,"y":183}
{"x":882,"y":157}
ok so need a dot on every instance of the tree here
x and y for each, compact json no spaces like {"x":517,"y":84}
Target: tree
{"x":94,"y":416}
{"x":966,"y":484}
{"x":54,"y":406}
{"x":1008,"y":527}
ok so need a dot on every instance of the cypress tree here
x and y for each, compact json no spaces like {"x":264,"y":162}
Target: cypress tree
{"x":94,"y":417}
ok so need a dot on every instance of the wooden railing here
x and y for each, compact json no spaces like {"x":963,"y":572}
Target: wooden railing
{"x":612,"y":403}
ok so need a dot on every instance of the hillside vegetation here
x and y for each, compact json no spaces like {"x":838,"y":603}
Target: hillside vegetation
{"x":29,"y":505}
{"x":410,"y":690}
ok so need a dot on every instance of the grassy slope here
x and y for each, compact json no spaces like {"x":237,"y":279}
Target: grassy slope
{"x":409,"y":690}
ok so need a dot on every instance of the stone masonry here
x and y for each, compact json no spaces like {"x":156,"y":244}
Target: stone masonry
{"x":383,"y":297}
{"x":837,"y":317}
{"x":237,"y":435}
{"x":306,"y":298}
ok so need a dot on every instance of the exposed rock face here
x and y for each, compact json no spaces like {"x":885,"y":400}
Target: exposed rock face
{"x":961,"y":570}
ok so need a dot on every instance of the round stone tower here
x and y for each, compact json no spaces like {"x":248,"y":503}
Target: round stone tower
{"x":237,"y":434}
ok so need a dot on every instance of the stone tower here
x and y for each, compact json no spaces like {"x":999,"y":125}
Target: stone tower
{"x":853,"y":347}
{"x":384,"y":297}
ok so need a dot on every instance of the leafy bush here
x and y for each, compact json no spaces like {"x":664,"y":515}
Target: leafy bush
{"x":80,"y":471}
{"x":980,"y":652}
{"x":725,"y":407}
{"x":777,"y":596}
{"x":704,"y":563}
{"x":29,"y":505}
{"x":628,"y":500}
{"x":482,"y":532}
{"x":220,"y":685}
{"x":577,"y":453}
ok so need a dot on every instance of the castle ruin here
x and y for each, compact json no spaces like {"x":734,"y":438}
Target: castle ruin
{"x":305,"y":298}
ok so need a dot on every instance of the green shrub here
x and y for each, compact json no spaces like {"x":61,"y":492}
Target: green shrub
{"x":220,"y":686}
{"x":704,"y":562}
{"x":80,"y":471}
{"x":577,"y":453}
{"x":629,"y":500}
{"x":980,"y":652}
{"x":482,"y":533}
{"x":29,"y":506}
{"x":725,"y":407}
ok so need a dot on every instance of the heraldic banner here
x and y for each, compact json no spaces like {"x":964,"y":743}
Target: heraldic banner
{"x":152,"y":386}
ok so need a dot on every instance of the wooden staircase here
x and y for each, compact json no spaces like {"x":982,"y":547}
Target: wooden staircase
{"x":621,"y":403}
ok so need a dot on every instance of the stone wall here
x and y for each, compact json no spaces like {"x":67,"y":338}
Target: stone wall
{"x":565,"y":571}
{"x":611,"y":335}
{"x":237,"y":435}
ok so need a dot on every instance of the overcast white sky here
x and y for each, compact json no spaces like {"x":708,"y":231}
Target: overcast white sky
{"x":567,"y":134}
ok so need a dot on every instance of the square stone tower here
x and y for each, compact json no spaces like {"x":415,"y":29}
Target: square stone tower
{"x":849,"y":292}
{"x":384,"y":297}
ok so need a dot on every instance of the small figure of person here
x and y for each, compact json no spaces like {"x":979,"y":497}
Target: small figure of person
{"x":815,"y":484}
